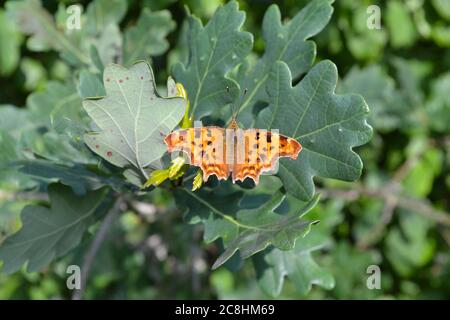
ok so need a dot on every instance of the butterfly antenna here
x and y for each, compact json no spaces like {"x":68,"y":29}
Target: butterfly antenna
{"x":231,"y":104}
{"x":240,"y":103}
{"x":234,"y":112}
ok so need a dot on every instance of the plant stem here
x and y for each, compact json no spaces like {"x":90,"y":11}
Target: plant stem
{"x":91,"y":254}
{"x":419,"y":206}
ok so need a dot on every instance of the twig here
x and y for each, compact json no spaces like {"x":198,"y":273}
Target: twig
{"x":95,"y":246}
{"x":391,"y":188}
{"x":419,"y":206}
{"x":390,"y":193}
{"x":377,"y":231}
{"x":425,"y":210}
{"x":445,"y":233}
{"x":23,"y":195}
{"x":404,"y":169}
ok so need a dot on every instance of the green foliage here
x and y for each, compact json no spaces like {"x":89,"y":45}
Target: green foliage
{"x":326,"y":125}
{"x":78,"y":178}
{"x":378,"y":89}
{"x":280,"y":232}
{"x":178,"y":236}
{"x":363,"y":43}
{"x":50,"y":233}
{"x":35,"y":21}
{"x":298,"y":265}
{"x":155,"y":26}
{"x":133,"y":117}
{"x":10,"y":40}
{"x":212,"y":54}
{"x":397,"y":14}
{"x":214,"y":50}
{"x":438,"y":106}
{"x":247,"y":229}
{"x":408,"y":246}
{"x":283,"y":42}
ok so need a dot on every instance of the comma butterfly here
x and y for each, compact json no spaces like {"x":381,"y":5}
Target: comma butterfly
{"x":224,"y":151}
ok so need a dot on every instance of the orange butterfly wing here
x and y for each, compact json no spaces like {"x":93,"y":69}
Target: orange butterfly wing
{"x":252,"y":151}
{"x":259,"y":151}
{"x":205,"y":147}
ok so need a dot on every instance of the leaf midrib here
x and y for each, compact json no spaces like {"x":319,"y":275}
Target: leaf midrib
{"x":263,"y":228}
{"x":218,"y":212}
{"x":308,"y":105}
{"x":116,"y":124}
{"x":200,"y":85}
{"x":316,"y":131}
{"x":263,"y":80}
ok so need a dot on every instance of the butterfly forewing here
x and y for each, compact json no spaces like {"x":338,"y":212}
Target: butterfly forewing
{"x":206,"y":148}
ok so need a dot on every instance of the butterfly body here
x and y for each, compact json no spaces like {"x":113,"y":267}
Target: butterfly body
{"x":232,"y":151}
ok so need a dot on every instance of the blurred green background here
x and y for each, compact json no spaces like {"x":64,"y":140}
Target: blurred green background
{"x":396,"y":216}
